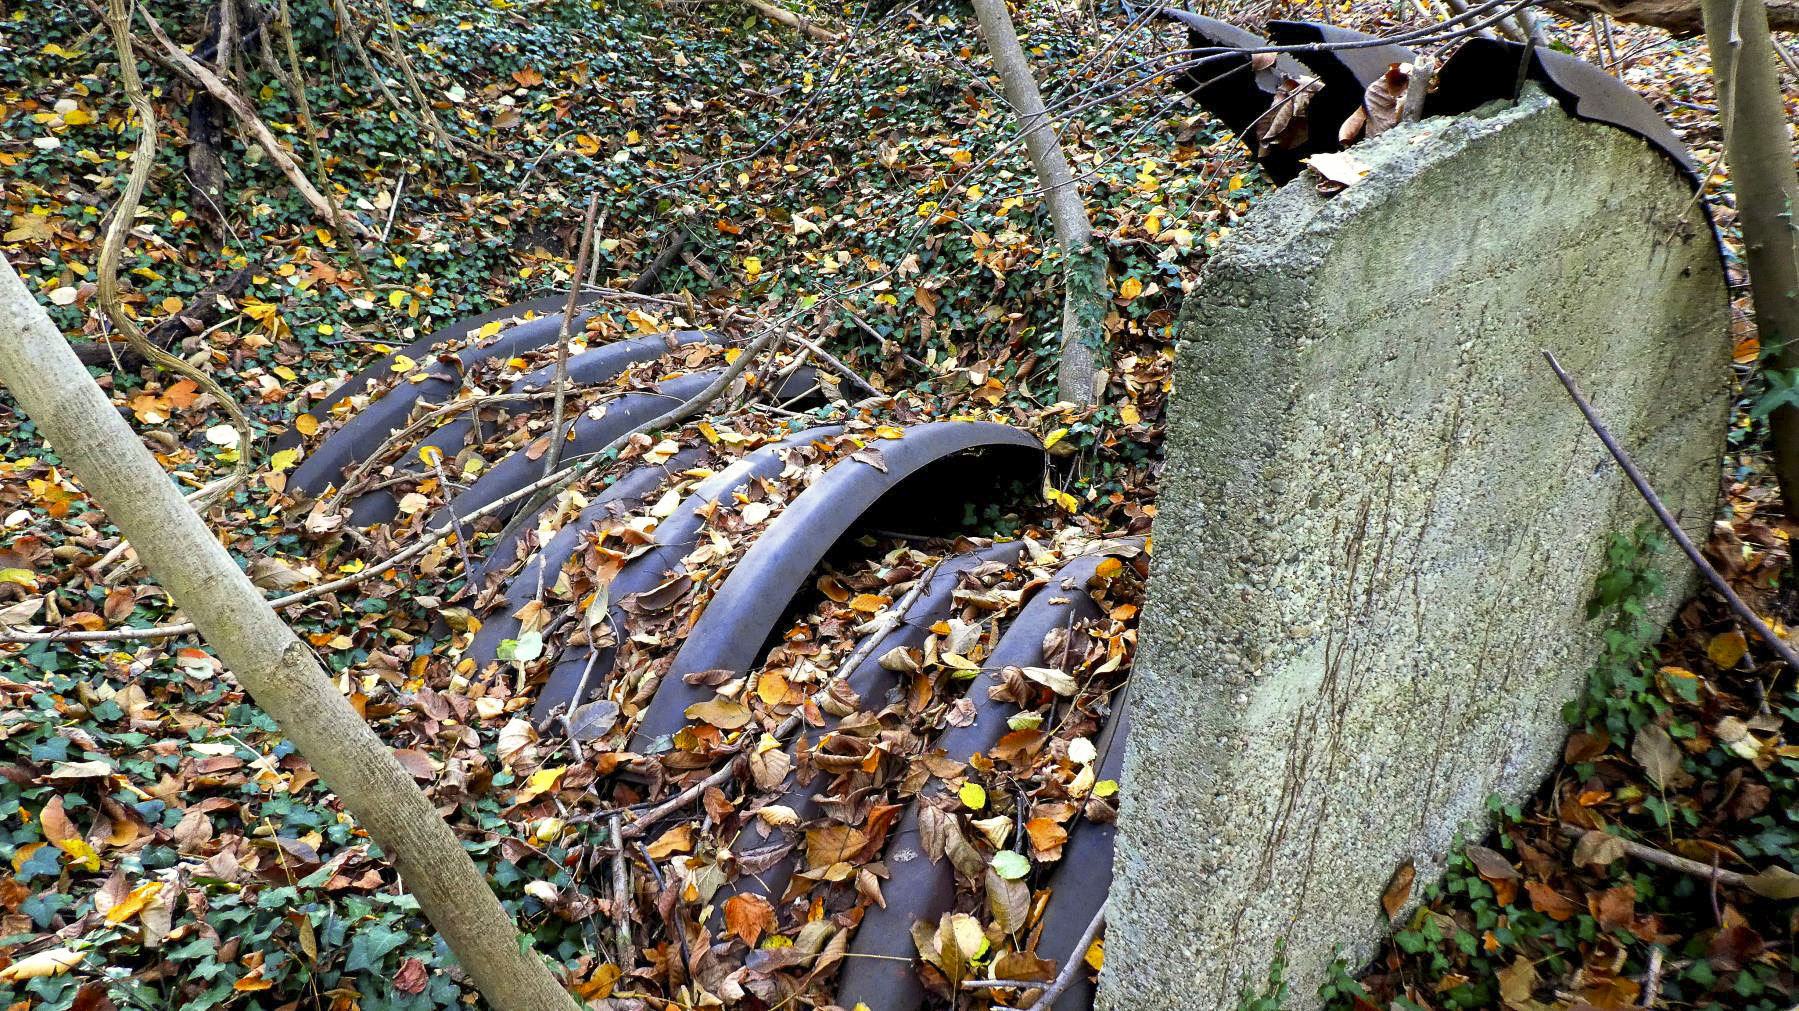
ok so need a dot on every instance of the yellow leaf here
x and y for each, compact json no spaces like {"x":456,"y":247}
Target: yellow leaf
{"x":431,"y":455}
{"x":544,"y":780}
{"x":752,"y":268}
{"x":1063,"y":499}
{"x":403,"y":364}
{"x":889,"y":432}
{"x":80,"y":853}
{"x":973,"y":795}
{"x":1054,"y":437}
{"x":1096,"y":954}
{"x":490,"y":329}
{"x":134,"y":903}
{"x":23,"y":577}
{"x":53,"y":962}
{"x":1129,"y":414}
{"x":283,"y":459}
{"x":676,"y":840}
{"x":1131,"y":288}
{"x":307,"y":425}
{"x":1105,"y":788}
{"x":1727,"y":648}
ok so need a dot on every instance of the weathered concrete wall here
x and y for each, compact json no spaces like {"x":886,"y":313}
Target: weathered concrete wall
{"x":1380,"y":522}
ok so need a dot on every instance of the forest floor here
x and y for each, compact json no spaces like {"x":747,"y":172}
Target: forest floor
{"x":167,"y":847}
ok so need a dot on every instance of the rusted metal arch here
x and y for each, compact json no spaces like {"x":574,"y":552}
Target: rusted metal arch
{"x":1083,"y":877}
{"x":1231,"y":89}
{"x":675,"y":537}
{"x":597,"y":365}
{"x":737,"y":621}
{"x":868,"y":680}
{"x":591,"y":435}
{"x":453,"y":331}
{"x":362,"y":434}
{"x":879,"y":969}
{"x":1583,"y":90}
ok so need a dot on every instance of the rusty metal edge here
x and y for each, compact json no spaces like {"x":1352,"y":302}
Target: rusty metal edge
{"x":879,"y":968}
{"x":675,"y":537}
{"x":365,"y":431}
{"x":869,"y":679}
{"x":743,"y":611}
{"x":454,"y":330}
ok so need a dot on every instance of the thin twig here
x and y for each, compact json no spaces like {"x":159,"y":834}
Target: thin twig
{"x":1652,"y":983}
{"x":254,"y":125}
{"x":143,"y":159}
{"x":1076,"y":961}
{"x":836,"y":366}
{"x":554,"y":454}
{"x":621,"y":898}
{"x":1736,"y":603}
{"x":1662,"y":858}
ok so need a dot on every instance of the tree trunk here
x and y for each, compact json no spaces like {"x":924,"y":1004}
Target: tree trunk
{"x":1084,"y":294}
{"x":279,"y":671}
{"x":1758,"y":145}
{"x":1682,"y":17}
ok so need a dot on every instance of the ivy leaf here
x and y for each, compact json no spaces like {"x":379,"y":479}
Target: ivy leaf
{"x":372,"y":944}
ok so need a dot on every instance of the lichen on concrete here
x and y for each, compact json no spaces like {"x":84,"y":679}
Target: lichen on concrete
{"x":1379,"y":523}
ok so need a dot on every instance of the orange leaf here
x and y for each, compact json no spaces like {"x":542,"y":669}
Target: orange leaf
{"x":748,"y":915}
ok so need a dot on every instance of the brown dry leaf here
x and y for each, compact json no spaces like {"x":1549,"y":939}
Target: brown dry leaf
{"x":1516,"y":982}
{"x":1549,"y":902}
{"x":832,"y":843}
{"x":1659,"y":756}
{"x":1598,"y":848}
{"x":412,"y":977}
{"x":1399,"y":889}
{"x":749,"y":916}
{"x":1381,"y":103}
{"x":1008,"y":902}
{"x":1614,"y":908}
{"x":58,"y":829}
{"x":1287,"y":125}
{"x":721,"y":713}
{"x":1338,"y":170}
{"x":1490,"y":864}
{"x":1776,"y":882}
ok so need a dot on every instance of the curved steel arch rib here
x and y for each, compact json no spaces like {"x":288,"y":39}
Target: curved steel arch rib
{"x":594,"y":366}
{"x":740,"y":616}
{"x":675,"y":537}
{"x":880,"y":968}
{"x":868,"y":680}
{"x":452,"y":331}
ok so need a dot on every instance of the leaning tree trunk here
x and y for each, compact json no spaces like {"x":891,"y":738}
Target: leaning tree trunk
{"x":1758,"y":144}
{"x":1084,"y":295}
{"x":278,"y":670}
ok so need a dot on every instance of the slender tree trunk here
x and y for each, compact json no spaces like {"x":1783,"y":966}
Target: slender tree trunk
{"x":279,"y":671}
{"x":1084,"y":295}
{"x":1758,"y":144}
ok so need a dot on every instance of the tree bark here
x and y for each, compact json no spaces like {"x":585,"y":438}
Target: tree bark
{"x":1758,"y":145}
{"x":279,"y":671}
{"x":1682,"y":17}
{"x":1084,"y":294}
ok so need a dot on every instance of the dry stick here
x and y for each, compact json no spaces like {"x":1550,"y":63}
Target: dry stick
{"x":1742,"y":610}
{"x":1662,"y":858}
{"x":836,"y":366}
{"x":621,"y":898}
{"x":1652,"y":984}
{"x":354,"y":478}
{"x":143,"y":159}
{"x":296,"y":86}
{"x":792,"y":20}
{"x":432,"y":123}
{"x":342,"y":11}
{"x":682,"y":412}
{"x":1076,"y":959}
{"x":250,"y":121}
{"x":554,"y":454}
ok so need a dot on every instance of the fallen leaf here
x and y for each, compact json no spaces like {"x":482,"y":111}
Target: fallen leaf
{"x":1399,"y":889}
